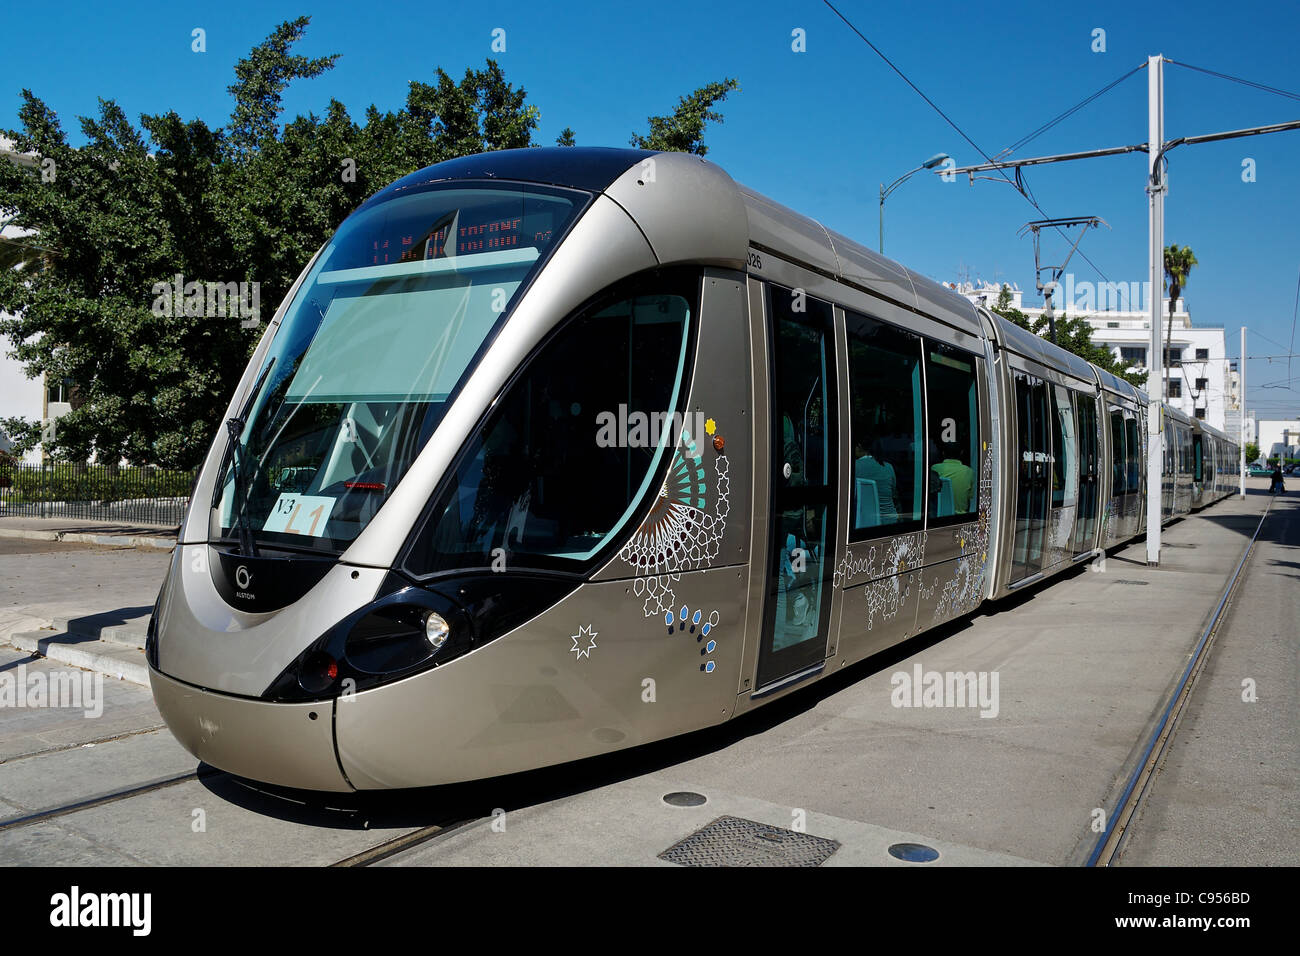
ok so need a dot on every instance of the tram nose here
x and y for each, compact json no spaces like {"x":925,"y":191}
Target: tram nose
{"x":291,"y":745}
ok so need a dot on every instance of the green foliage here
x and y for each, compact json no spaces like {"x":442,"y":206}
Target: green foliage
{"x":1179,"y":261}
{"x":566,"y":138}
{"x":1073,"y":335}
{"x":1178,"y":266}
{"x":250,"y":203}
{"x":1252,"y":452}
{"x":91,"y":483}
{"x":683,"y":131}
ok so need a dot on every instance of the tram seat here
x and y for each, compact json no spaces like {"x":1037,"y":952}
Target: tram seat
{"x":867,"y":512}
{"x":946,"y":506}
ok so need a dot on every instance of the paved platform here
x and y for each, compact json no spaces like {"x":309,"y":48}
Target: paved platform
{"x":104,"y":533}
{"x":1085,"y":665}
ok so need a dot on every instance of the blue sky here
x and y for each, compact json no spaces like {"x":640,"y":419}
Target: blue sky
{"x":818,"y":130}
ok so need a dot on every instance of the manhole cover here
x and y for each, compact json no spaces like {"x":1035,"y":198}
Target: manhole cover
{"x":685,"y":798}
{"x":735,"y":841}
{"x":913,"y":852}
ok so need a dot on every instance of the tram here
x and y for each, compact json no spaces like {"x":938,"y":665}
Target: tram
{"x":553,"y":452}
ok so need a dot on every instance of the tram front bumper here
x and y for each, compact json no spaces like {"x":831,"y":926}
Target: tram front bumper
{"x":291,"y":745}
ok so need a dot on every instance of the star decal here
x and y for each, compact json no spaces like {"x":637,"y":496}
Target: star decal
{"x":579,"y":647}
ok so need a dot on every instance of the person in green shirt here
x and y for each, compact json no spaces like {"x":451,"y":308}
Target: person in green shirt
{"x":961,"y":475}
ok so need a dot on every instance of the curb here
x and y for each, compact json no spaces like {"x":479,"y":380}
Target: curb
{"x":117,"y":660}
{"x":81,"y":537}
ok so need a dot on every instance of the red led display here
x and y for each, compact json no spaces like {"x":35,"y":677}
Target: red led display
{"x":471,"y":237}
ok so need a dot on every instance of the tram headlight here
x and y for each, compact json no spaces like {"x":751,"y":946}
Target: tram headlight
{"x":436,"y":629}
{"x":400,"y":634}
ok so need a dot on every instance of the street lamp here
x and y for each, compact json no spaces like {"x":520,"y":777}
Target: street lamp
{"x":930,"y":163}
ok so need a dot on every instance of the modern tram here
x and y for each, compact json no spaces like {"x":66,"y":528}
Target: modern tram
{"x":553,"y":452}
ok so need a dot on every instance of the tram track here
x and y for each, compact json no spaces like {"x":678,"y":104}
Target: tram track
{"x":402,"y":843}
{"x":1110,"y":843}
{"x":112,"y":796}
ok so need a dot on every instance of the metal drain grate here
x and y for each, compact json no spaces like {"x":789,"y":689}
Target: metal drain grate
{"x":735,"y":841}
{"x":1140,"y":584}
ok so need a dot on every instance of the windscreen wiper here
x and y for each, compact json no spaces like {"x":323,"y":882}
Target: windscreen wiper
{"x":235,"y":429}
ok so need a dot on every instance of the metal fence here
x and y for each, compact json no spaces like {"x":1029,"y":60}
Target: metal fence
{"x":126,"y":495}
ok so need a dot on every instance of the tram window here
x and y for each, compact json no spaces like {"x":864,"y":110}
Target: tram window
{"x":543,"y":483}
{"x":1133,"y":455}
{"x":1118,"y":462}
{"x":1065,"y":449}
{"x":953,"y":413}
{"x":885,"y":427}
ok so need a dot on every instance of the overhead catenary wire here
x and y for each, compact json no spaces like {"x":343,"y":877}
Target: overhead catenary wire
{"x":1018,"y":182}
{"x":1236,"y":79}
{"x":1024,"y":141}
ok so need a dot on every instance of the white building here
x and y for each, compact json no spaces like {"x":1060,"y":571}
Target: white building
{"x":20,"y":396}
{"x":1274,"y":433}
{"x":1202,"y":381}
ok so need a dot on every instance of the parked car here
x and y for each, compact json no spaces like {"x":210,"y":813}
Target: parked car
{"x":1259,"y":471}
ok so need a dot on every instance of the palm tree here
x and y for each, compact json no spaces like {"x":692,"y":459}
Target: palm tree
{"x":1178,"y":264}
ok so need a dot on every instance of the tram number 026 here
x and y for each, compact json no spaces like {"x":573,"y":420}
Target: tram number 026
{"x":299,"y":514}
{"x":755,"y":260}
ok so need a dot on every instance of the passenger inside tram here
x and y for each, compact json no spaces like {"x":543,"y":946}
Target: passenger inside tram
{"x":959,"y":474}
{"x":867,"y":465}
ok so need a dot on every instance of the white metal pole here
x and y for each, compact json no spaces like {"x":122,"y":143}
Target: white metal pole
{"x":1155,"y":381}
{"x":1241,"y":398}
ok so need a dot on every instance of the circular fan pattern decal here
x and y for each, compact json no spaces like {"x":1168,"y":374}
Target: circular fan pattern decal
{"x":678,"y":534}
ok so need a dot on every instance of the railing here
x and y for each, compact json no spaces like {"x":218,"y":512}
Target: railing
{"x":127,"y":495}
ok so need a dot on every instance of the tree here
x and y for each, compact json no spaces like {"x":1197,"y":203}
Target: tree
{"x":683,"y":131}
{"x":1073,"y":335}
{"x":1178,"y":265}
{"x":248,"y":202}
{"x":1252,"y":452}
{"x":566,"y":138}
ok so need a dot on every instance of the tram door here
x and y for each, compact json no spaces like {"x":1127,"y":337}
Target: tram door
{"x":1033,"y":479}
{"x":805,"y":468}
{"x":1085,"y":524}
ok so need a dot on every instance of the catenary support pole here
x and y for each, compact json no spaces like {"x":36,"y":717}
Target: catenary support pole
{"x":1241,"y":399}
{"x":1156,"y":380}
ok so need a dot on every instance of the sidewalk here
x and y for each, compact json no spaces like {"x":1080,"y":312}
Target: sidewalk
{"x":83,"y":606}
{"x":106,"y":533}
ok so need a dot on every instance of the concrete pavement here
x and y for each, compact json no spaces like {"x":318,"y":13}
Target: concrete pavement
{"x":74,"y":531}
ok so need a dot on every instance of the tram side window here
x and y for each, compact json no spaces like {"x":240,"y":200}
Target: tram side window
{"x":1118,"y":462}
{"x":885,"y":427}
{"x":548,"y":479}
{"x":1065,"y":448}
{"x":953,"y":413}
{"x":1133,"y":455}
